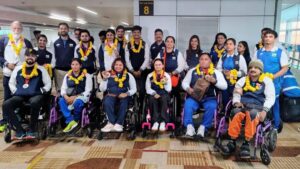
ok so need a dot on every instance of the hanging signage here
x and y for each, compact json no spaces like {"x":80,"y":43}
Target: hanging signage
{"x":146,"y":8}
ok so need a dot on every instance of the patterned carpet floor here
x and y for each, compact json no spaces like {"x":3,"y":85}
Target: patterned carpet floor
{"x":161,"y":153}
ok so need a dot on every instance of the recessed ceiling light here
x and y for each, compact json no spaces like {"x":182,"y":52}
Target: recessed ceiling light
{"x":87,"y":10}
{"x":125,"y":23}
{"x":80,"y":21}
{"x":59,"y":17}
{"x":112,"y":27}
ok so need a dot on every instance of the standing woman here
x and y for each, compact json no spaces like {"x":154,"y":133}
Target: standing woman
{"x":243,"y":49}
{"x":119,"y":85}
{"x":174,"y":65}
{"x":233,"y":67}
{"x":158,"y":86}
{"x":218,"y":48}
{"x":193,"y":52}
{"x":108,"y":51}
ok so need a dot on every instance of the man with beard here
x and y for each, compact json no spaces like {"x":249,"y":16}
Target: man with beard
{"x":120,"y":31}
{"x":28,"y":83}
{"x":12,"y":49}
{"x":44,"y":57}
{"x":253,"y":97}
{"x":77,"y":35}
{"x":64,"y":48}
{"x":86,"y":52}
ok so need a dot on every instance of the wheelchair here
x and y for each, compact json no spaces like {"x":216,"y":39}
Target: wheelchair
{"x":89,"y":121}
{"x":181,"y":130}
{"x":265,"y":137}
{"x":146,"y":117}
{"x":131,"y":122}
{"x":23,"y":114}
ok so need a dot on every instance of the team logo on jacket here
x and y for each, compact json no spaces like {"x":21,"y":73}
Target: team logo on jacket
{"x":58,"y":45}
{"x":47,"y":56}
{"x":174,"y":58}
{"x":274,"y":54}
{"x":71,"y":45}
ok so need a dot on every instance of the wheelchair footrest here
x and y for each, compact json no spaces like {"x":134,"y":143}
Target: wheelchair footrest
{"x":146,"y":124}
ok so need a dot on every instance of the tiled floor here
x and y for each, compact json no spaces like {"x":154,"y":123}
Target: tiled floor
{"x":163,"y":153}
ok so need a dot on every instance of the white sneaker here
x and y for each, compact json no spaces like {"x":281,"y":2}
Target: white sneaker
{"x":190,"y":130}
{"x":118,"y":128}
{"x":162,"y":126}
{"x":108,"y":127}
{"x":155,"y":126}
{"x":201,"y":131}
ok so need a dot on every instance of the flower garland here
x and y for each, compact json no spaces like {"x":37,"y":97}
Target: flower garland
{"x":249,"y":87}
{"x":111,"y":48}
{"x":17,"y":49}
{"x":85,"y":54}
{"x":48,"y":67}
{"x":79,"y":78}
{"x":162,"y":80}
{"x":260,"y":44}
{"x":270,"y":75}
{"x":211,"y":69}
{"x":218,"y":51}
{"x":233,"y":76}
{"x":121,"y":80}
{"x":33,"y":73}
{"x":133,"y":48}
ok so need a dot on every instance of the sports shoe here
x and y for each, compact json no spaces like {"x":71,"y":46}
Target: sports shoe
{"x":201,"y":131}
{"x":190,"y":130}
{"x":70,"y":126}
{"x":108,"y":127}
{"x":31,"y":135}
{"x":245,"y":150}
{"x":19,"y":136}
{"x":162,"y":126}
{"x":229,"y":148}
{"x":3,"y":127}
{"x":155,"y":126}
{"x":118,"y":128}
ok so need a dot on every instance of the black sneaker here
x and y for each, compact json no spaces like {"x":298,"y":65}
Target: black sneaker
{"x":229,"y":148}
{"x":245,"y":150}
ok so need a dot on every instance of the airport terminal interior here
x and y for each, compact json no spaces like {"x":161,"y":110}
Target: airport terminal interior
{"x":87,"y":142}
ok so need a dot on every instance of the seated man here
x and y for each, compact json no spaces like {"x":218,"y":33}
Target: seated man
{"x":75,"y":91}
{"x":28,"y":82}
{"x":255,"y":93}
{"x":119,"y":85}
{"x":201,"y":83}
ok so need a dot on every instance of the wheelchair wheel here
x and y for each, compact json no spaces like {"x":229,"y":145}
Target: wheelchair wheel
{"x":100,"y":136}
{"x":131,"y":135}
{"x":280,"y":127}
{"x":144,"y":133}
{"x":265,"y":156}
{"x":89,"y":132}
{"x":272,"y":140}
{"x":7,"y":136}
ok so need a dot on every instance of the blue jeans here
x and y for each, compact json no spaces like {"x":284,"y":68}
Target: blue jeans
{"x":78,"y":106}
{"x":191,"y":105}
{"x":109,"y":105}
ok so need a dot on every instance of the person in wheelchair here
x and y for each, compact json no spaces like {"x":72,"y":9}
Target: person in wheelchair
{"x":28,"y":83}
{"x":75,"y":91}
{"x":201,"y":83}
{"x":253,"y":97}
{"x":158,"y":86}
{"x":119,"y":85}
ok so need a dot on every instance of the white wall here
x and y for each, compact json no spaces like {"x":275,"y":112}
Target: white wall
{"x":240,"y":19}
